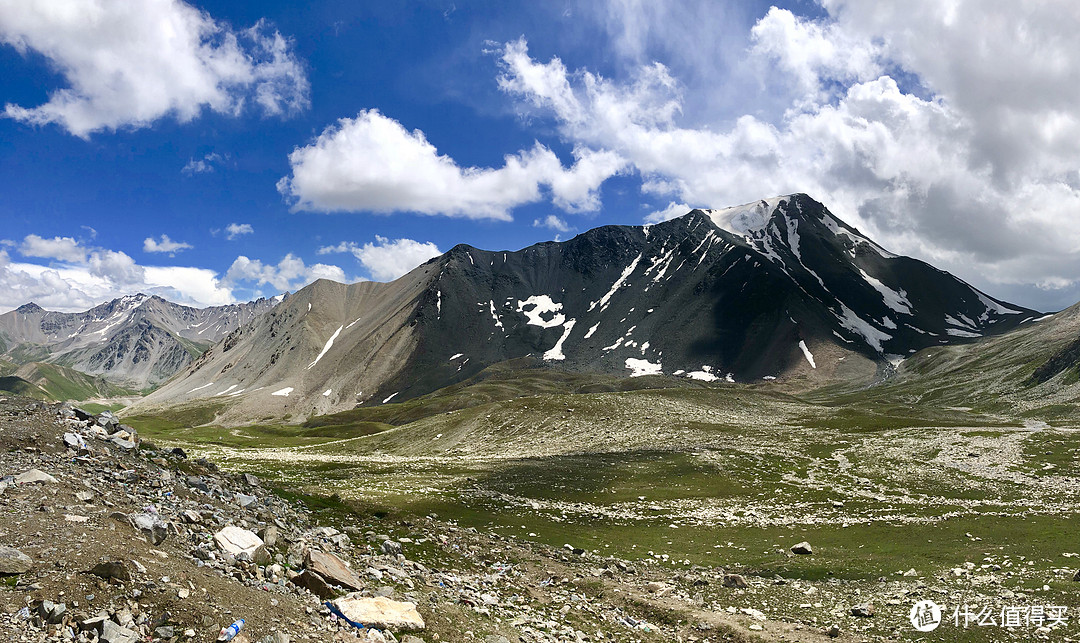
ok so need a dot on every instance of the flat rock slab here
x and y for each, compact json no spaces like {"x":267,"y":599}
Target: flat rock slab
{"x":236,"y":541}
{"x":13,"y":561}
{"x":34,"y":476}
{"x":379,"y":612}
{"x":333,"y":569}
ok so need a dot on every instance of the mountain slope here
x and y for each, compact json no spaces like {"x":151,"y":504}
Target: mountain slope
{"x":774,"y":289}
{"x":136,"y":341}
{"x":1032,"y":371}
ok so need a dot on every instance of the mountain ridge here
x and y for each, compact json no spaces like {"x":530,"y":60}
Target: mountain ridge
{"x":137,"y":341}
{"x":793,"y":293}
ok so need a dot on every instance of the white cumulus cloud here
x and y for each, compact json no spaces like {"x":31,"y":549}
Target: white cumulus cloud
{"x":949,"y":131}
{"x":129,"y":64}
{"x":234,"y":230}
{"x":672,"y":211}
{"x":78,"y":277}
{"x":204,"y":165}
{"x":165,"y":244}
{"x":552,"y":222}
{"x":387,"y":259}
{"x":291,"y":273}
{"x":373,"y":163}
{"x":59,"y":248}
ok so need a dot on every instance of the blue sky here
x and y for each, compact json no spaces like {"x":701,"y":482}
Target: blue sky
{"x":215,"y":166}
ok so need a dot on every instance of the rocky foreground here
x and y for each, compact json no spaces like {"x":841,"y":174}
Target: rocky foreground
{"x":107,"y":538}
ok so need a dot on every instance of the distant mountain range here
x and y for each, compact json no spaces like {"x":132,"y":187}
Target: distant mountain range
{"x":136,"y":341}
{"x":776,"y":289}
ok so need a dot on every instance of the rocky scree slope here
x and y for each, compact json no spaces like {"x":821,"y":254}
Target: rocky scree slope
{"x":779,"y":288}
{"x":136,"y":341}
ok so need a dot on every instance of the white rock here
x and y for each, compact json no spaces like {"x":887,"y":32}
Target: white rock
{"x":32,"y":476}
{"x":380,"y":612}
{"x":236,"y":541}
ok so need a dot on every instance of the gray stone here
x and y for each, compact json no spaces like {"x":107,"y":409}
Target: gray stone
{"x":81,"y":415}
{"x":313,"y":583}
{"x":111,"y":570}
{"x":75,"y":442}
{"x":245,"y":500}
{"x":126,"y":445}
{"x":113,"y":633}
{"x":13,"y":561}
{"x":270,"y":536}
{"x":34,"y":476}
{"x":803,"y":549}
{"x":276,"y":637}
{"x":865,"y":610}
{"x":52,"y":612}
{"x":251,"y":480}
{"x":151,"y":527}
{"x":333,"y":570}
{"x":391,"y":548}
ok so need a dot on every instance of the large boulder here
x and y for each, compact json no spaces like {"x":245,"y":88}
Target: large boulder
{"x":243,"y":544}
{"x":313,"y":583}
{"x":13,"y":561}
{"x":151,"y":526}
{"x":34,"y":476}
{"x":802,"y":549}
{"x":379,"y":612}
{"x":333,"y":570}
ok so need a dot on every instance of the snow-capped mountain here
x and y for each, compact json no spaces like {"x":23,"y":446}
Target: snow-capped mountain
{"x":779,"y":288}
{"x":136,"y":340}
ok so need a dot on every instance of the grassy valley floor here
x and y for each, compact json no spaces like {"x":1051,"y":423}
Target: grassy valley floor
{"x":688,"y":484}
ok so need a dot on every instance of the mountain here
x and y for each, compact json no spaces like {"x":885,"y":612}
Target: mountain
{"x":779,"y":288}
{"x":136,"y":341}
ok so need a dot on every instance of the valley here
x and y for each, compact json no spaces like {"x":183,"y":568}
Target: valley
{"x":740,"y":424}
{"x":898,"y":503}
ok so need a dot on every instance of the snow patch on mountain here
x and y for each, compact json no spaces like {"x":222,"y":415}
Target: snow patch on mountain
{"x":807,"y":354}
{"x":849,"y":320}
{"x":556,"y":351}
{"x":283,"y":392}
{"x":536,"y":306}
{"x":329,"y":343}
{"x":639,"y":367}
{"x":898,"y":301}
{"x":603,"y":301}
{"x":746,"y":219}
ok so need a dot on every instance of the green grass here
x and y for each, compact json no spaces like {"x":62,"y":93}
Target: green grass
{"x":501,"y":382}
{"x":18,"y":386}
{"x":95,"y":408}
{"x":62,"y":383}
